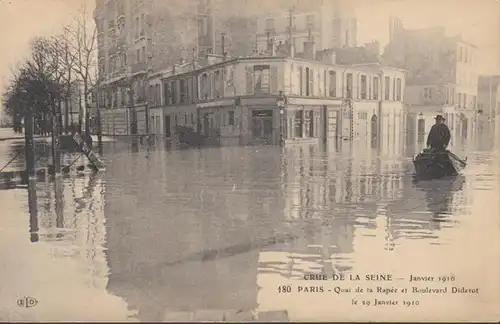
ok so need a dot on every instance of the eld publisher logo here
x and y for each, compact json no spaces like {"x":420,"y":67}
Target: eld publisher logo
{"x":27,"y":302}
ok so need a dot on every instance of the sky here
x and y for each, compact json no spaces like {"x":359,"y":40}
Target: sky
{"x":477,"y":20}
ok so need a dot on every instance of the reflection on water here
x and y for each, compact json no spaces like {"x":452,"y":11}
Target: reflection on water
{"x":212,"y":231}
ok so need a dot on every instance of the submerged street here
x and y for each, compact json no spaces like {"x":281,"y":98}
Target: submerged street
{"x":203,"y":233}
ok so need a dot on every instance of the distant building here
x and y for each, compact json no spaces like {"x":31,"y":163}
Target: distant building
{"x":442,"y":79}
{"x":488,"y":102}
{"x":327,"y":25}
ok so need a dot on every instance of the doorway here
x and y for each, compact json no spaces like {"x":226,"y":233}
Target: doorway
{"x":262,"y":126}
{"x":465,"y":128}
{"x":133,"y":121}
{"x":374,"y":130}
{"x":166,"y":125}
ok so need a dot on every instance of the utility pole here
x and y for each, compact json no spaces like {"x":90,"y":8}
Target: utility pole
{"x":68,"y":95}
{"x":55,"y":140}
{"x":290,"y":33}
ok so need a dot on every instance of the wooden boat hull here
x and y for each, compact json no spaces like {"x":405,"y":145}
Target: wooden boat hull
{"x":430,"y":164}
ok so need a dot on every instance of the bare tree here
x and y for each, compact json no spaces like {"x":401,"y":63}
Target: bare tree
{"x":62,"y":48}
{"x":81,"y":36}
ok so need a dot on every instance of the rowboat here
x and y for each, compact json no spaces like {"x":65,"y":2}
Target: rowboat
{"x":432,"y":164}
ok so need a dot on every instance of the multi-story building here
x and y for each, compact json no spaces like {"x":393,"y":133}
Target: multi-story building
{"x":326,"y":25}
{"x":151,"y":82}
{"x":488,"y":101}
{"x":137,"y":38}
{"x":442,"y":78}
{"x":273,"y":98}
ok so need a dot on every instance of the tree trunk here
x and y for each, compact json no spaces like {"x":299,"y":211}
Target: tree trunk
{"x":85,"y":107}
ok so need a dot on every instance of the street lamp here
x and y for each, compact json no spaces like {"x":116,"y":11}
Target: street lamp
{"x":281,"y":102}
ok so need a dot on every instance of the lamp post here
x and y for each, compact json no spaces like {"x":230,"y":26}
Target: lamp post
{"x":282,"y":101}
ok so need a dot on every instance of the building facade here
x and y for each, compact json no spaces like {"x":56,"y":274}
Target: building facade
{"x":138,"y":38}
{"x":442,"y":79}
{"x":488,"y":102}
{"x":269,"y":99}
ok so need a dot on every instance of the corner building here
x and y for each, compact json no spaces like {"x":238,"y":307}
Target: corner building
{"x":264,"y":99}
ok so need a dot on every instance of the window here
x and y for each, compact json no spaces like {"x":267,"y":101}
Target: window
{"x":183,"y":86}
{"x":387,"y":88}
{"x":204,"y":87}
{"x":375,"y":88}
{"x":349,"y":86}
{"x":473,"y":102}
{"x":310,"y":21}
{"x":173,"y":98}
{"x":269,"y":24}
{"x":325,"y":80}
{"x":363,"y":87}
{"x":144,"y":53}
{"x":393,"y":89}
{"x":158,"y":95}
{"x":218,"y":84}
{"x":195,"y":89}
{"x":307,"y":81}
{"x":230,"y":118}
{"x":460,"y":54}
{"x":311,"y":123}
{"x":332,"y":91}
{"x":427,"y":93}
{"x":298,"y":123}
{"x":203,"y":26}
{"x":150,"y":94}
{"x":465,"y":100}
{"x":137,"y":27}
{"x":166,"y":93}
{"x":301,"y":80}
{"x":261,"y":79}
{"x":138,"y":58}
{"x":141,"y":28}
{"x":398,"y":89}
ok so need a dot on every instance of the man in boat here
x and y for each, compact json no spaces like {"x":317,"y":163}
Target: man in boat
{"x":439,"y":135}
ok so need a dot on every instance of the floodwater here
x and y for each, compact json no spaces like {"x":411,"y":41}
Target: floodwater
{"x":205,"y":233}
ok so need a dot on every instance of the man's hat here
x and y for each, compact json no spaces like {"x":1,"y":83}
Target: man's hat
{"x":439,"y":117}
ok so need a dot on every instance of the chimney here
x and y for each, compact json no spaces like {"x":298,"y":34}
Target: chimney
{"x":373,"y":49}
{"x":310,"y":47}
{"x":332,"y":56}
